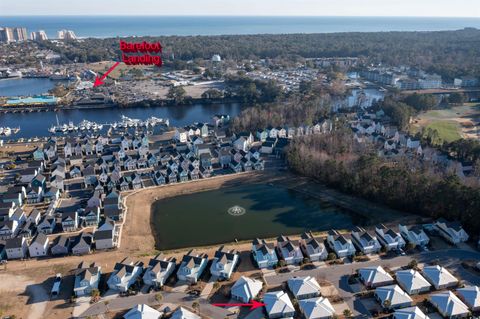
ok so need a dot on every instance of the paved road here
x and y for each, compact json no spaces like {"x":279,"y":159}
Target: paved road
{"x":339,"y":274}
{"x":181,"y":299}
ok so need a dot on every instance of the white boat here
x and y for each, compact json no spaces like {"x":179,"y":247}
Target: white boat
{"x":7,"y":131}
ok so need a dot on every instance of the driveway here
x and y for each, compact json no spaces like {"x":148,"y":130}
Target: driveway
{"x":180,"y":299}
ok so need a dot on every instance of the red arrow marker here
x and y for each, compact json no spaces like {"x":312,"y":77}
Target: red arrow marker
{"x":98,"y":80}
{"x":253,"y":304}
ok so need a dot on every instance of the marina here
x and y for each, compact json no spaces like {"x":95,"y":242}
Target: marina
{"x":37,"y":124}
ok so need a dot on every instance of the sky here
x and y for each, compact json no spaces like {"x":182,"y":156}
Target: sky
{"x":426,"y":8}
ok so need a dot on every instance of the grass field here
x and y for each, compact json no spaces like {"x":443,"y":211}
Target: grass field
{"x":448,"y":131}
{"x":451,"y":123}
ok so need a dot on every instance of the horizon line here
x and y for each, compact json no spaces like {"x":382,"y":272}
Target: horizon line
{"x":239,"y":16}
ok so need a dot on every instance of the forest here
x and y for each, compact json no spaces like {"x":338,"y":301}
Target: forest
{"x":448,"y":53}
{"x":333,"y":160}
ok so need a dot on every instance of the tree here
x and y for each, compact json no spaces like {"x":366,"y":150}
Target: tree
{"x":196,"y":306}
{"x":158,"y":297}
{"x":176,"y":93}
{"x":95,"y":293}
{"x":387,"y":304}
{"x":347,"y":313}
{"x":106,"y":303}
{"x":456,"y":98}
{"x":212,"y":94}
{"x":332,"y":256}
{"x":216,"y":285}
{"x":281,"y":263}
{"x":413,"y":264}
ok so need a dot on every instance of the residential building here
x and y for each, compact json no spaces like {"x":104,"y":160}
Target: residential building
{"x":143,"y":311}
{"x":159,"y":270}
{"x":246,"y":289}
{"x":365,"y":242}
{"x":70,"y":221}
{"x":16,"y":248}
{"x":414,"y":235}
{"x":289,"y":250}
{"x":392,"y":297}
{"x":82,"y":244}
{"x":374,"y":277}
{"x":104,"y":236}
{"x":342,"y":246}
{"x":316,"y":308}
{"x":278,"y":305}
{"x":389,"y":239}
{"x":412,"y":281}
{"x":410,"y":313}
{"x":87,"y":278}
{"x":192,"y":266}
{"x":60,"y":246}
{"x":182,"y":313}
{"x":264,"y":253}
{"x":439,"y":277}
{"x":449,"y":305}
{"x":39,"y":246}
{"x":304,"y":287}
{"x":470,"y":295}
{"x":224,"y":263}
{"x":312,"y":249}
{"x":451,"y":231}
{"x":124,"y":274}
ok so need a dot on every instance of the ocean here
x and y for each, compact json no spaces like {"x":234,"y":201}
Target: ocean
{"x":113,"y":26}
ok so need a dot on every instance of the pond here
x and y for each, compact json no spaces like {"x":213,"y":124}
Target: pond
{"x":243,"y":212}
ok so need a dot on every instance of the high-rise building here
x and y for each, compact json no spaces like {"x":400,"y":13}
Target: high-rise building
{"x":6,"y":35}
{"x":13,"y":34}
{"x":39,"y":35}
{"x":66,"y":35}
{"x":20,"y":34}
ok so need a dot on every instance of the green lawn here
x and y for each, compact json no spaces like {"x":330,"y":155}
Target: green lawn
{"x":447,"y":130}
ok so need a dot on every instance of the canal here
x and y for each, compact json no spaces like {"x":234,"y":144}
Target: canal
{"x":244,"y":212}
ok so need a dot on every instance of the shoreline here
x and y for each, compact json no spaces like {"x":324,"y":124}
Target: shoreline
{"x":140,"y":104}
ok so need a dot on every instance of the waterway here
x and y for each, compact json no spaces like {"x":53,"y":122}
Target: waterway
{"x":36,"y":124}
{"x":25,"y":87}
{"x":269,"y":210}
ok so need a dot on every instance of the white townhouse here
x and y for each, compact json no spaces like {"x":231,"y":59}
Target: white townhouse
{"x":365,"y":242}
{"x":224,"y":263}
{"x":449,"y":305}
{"x":374,"y":277}
{"x":470,"y":296}
{"x":439,"y":277}
{"x":389,"y":239}
{"x":451,"y":231}
{"x":182,"y":313}
{"x":192,"y":266}
{"x":392,"y":297}
{"x":159,"y":270}
{"x":278,"y":305}
{"x":304,"y":287}
{"x":414,"y":235}
{"x":410,"y":313}
{"x":312,"y":248}
{"x":125,"y":273}
{"x":316,"y":308}
{"x":16,"y":248}
{"x":39,"y":246}
{"x":246,"y":289}
{"x":412,"y":281}
{"x":142,"y":311}
{"x":342,"y":246}
{"x":289,"y":250}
